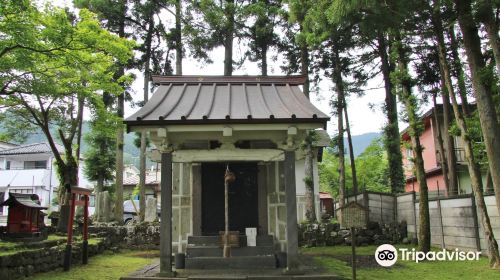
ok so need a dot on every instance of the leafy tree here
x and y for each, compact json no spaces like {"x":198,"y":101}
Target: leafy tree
{"x":115,"y":18}
{"x":373,"y":167}
{"x":77,"y":63}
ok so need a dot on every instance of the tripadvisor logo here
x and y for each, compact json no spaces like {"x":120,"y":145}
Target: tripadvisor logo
{"x":386,"y":255}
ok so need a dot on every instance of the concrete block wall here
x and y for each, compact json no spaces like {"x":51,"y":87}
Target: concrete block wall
{"x":455,"y":222}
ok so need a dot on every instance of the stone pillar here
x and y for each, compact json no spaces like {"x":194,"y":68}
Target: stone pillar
{"x":166,"y":215}
{"x":291,"y":213}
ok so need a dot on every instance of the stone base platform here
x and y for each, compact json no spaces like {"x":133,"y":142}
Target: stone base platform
{"x":151,"y":272}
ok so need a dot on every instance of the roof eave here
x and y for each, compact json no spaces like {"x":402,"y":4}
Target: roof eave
{"x":138,"y":123}
{"x":194,"y":79}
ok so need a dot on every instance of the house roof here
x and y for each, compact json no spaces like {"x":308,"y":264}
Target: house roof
{"x":28,"y":200}
{"x":325,"y":195}
{"x":151,"y":179}
{"x":36,"y":148}
{"x":6,"y":145}
{"x":430,"y":113}
{"x":227,"y":99}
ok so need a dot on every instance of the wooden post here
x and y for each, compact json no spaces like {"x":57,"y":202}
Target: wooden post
{"x":166,"y":215}
{"x":291,"y":213}
{"x":67,"y":253}
{"x":262,"y":200}
{"x":227,"y":249}
{"x":85,"y":243}
{"x":196,"y":180}
{"x":353,"y":246}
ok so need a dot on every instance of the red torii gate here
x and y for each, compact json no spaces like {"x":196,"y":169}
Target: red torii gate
{"x":79,"y":197}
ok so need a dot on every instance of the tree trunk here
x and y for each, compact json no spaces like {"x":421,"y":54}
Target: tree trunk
{"x":482,"y":92}
{"x":477,"y":187}
{"x":309,"y":179}
{"x":142,"y":154}
{"x":415,"y":130}
{"x":178,"y":39}
{"x":118,"y":213}
{"x":81,"y":104}
{"x":351,"y":150}
{"x":447,"y":90}
{"x":339,"y":85}
{"x":442,"y":154}
{"x":229,"y":37}
{"x":264,"y":60}
{"x":459,"y":71}
{"x":304,"y":67}
{"x":392,"y":138}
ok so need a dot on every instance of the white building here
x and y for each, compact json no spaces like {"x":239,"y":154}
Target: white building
{"x":29,"y":169}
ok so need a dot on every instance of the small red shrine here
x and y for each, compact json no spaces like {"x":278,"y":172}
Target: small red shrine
{"x":25,"y":215}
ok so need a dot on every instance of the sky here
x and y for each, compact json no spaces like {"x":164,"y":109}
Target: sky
{"x":362,"y":118}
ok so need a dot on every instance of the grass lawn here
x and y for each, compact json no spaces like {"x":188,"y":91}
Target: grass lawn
{"x":105,"y":266}
{"x":10,"y":248}
{"x":334,"y":260}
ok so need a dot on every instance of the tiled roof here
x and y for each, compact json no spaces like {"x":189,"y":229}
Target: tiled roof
{"x":325,"y":195}
{"x":227,"y":99}
{"x":28,"y":200}
{"x":37,"y":148}
{"x":151,"y":179}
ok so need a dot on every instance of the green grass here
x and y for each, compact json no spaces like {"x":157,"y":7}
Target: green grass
{"x":10,"y":248}
{"x":104,"y":266}
{"x":407,"y":270}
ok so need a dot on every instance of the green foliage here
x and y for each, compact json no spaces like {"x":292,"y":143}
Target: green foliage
{"x":53,"y":64}
{"x":328,"y":171}
{"x":371,"y":169}
{"x":100,"y":155}
{"x":475,"y":135}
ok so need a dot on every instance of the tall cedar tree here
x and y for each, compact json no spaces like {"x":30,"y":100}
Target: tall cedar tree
{"x":114,"y":17}
{"x":375,"y":24}
{"x":298,"y":12}
{"x":147,"y":12}
{"x":483,"y":84}
{"x":211,"y":24}
{"x":261,"y":32}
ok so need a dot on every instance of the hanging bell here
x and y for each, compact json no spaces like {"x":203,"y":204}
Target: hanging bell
{"x":229,"y":177}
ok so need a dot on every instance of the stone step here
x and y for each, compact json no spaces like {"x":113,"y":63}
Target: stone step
{"x":262,"y":240}
{"x":247,"y":262}
{"x":216,"y":251}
